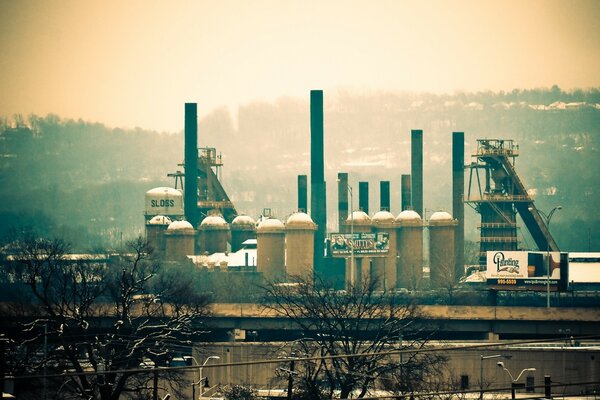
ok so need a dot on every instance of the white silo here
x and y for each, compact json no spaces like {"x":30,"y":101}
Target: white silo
{"x":243,"y":228}
{"x":213,"y":235}
{"x":409,"y":242}
{"x":384,"y":267}
{"x":299,"y":245}
{"x":441,"y":250}
{"x":155,"y":233}
{"x":270,"y":248}
{"x":180,"y":237}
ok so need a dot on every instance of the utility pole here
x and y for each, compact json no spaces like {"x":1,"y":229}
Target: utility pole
{"x":290,"y":380}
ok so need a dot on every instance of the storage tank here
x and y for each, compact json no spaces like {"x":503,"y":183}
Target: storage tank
{"x":163,"y":201}
{"x":270,"y":249}
{"x":299,"y":245}
{"x":409,"y":246}
{"x":384,"y":267}
{"x":441,"y":250}
{"x":358,"y":222}
{"x":179,"y":240}
{"x":243,"y":228}
{"x":213,"y":235}
{"x":155,"y":233}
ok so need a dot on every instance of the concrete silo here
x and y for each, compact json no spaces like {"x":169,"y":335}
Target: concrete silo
{"x":179,"y":240}
{"x":384,"y":267}
{"x":357,"y":267}
{"x":409,"y":246}
{"x":270,"y":249}
{"x":163,"y":201}
{"x":299,"y":245}
{"x":213,"y":235}
{"x":155,"y":233}
{"x":243,"y":228}
{"x":441,"y":250}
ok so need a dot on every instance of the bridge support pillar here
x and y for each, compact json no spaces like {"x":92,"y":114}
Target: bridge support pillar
{"x":493,"y":337}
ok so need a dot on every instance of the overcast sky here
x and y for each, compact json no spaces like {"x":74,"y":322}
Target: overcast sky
{"x":134,"y":63}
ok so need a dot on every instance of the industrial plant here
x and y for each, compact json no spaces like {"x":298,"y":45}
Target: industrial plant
{"x":195,"y":221}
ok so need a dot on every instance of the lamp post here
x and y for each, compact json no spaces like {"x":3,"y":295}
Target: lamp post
{"x":352,"y":269}
{"x":547,"y":218}
{"x":514,"y":381}
{"x":200,"y":378}
{"x":481,"y":372}
{"x":352,"y":272}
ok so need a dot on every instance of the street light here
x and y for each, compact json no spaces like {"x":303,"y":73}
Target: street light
{"x":200,"y":378}
{"x":481,"y":372}
{"x":514,"y":381}
{"x":547,"y":218}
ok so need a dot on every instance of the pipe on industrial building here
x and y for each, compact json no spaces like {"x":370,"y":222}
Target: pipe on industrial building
{"x":384,"y":195}
{"x":417,"y":170}
{"x":363,"y":197}
{"x":191,"y":164}
{"x":302,"y":193}
{"x":317,"y":175}
{"x":458,"y":205}
{"x":342,"y":200}
{"x":406,"y":201}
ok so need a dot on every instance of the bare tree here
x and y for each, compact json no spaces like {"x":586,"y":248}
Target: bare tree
{"x":353,"y":330}
{"x":101,"y":317}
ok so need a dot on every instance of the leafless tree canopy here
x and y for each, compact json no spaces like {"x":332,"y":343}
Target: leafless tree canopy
{"x":357,"y":328}
{"x":102,"y":317}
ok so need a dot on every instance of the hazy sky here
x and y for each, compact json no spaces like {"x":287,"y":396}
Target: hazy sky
{"x":134,"y":63}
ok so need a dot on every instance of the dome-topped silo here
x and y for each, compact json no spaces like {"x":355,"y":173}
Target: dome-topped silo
{"x":270,"y":248}
{"x":243,"y":228}
{"x":213,"y":235}
{"x":358,"y":222}
{"x":155,"y":233}
{"x":441,"y":250}
{"x":299,"y":245}
{"x":180,"y":238}
{"x":409,"y":246}
{"x":163,"y":201}
{"x":384,"y":267}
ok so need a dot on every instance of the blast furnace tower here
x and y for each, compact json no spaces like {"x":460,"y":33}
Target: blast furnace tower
{"x":499,"y":196}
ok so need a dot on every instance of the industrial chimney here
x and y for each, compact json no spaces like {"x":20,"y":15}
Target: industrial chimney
{"x":406,"y":193}
{"x":458,"y":205}
{"x":302,"y":193}
{"x":191,"y":164}
{"x":342,"y":201}
{"x":384,"y":195}
{"x":417,"y":170}
{"x":317,"y":176}
{"x":363,"y":197}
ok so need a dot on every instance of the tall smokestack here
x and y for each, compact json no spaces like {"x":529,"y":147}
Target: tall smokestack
{"x":191,"y":164}
{"x":458,"y":205}
{"x":417,"y":170}
{"x":302,"y":193}
{"x":342,"y":200}
{"x":363,"y":196}
{"x":317,"y":175}
{"x":406,"y":193}
{"x":384,"y":195}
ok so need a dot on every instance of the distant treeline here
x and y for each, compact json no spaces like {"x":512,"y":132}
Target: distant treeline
{"x":86,"y":182}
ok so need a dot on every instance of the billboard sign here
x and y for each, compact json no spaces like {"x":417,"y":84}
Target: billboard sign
{"x":506,"y":264}
{"x":364,"y":244}
{"x":527,"y":269}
